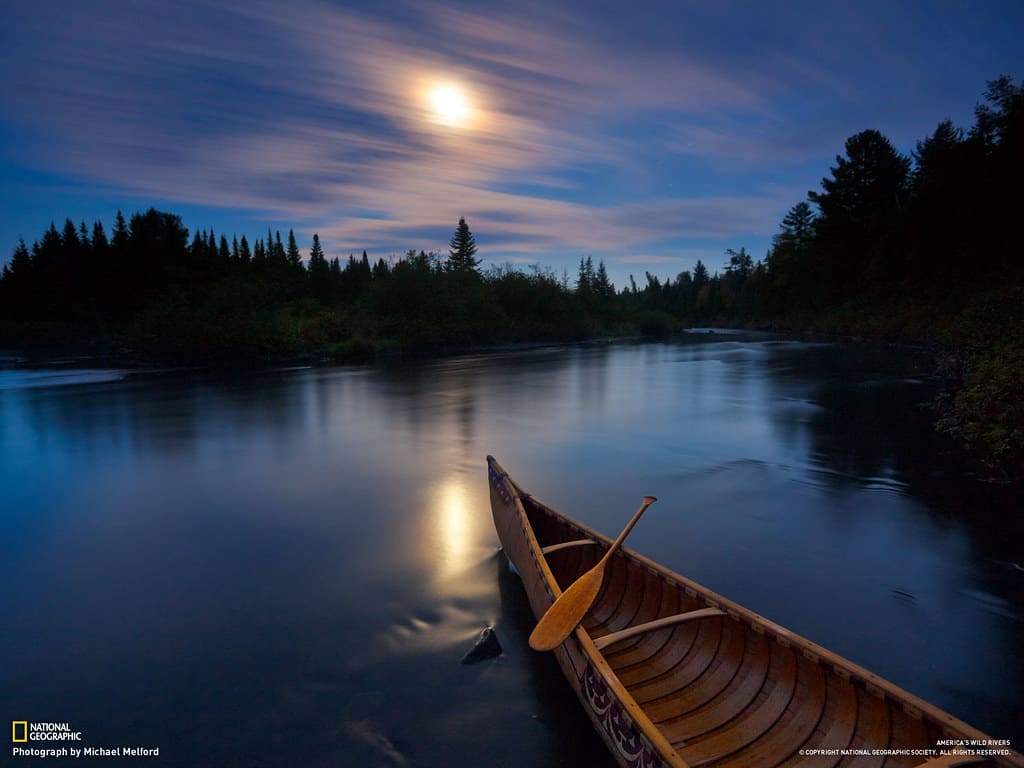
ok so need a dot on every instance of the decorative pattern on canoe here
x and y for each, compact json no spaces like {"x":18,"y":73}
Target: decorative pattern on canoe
{"x":616,"y":722}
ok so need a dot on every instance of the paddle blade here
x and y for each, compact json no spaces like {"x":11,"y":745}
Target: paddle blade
{"x":567,"y":611}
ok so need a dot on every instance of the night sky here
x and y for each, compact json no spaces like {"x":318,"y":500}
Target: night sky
{"x":649,"y":135}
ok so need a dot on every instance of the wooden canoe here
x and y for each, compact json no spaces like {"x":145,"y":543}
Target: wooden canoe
{"x":672,"y":674}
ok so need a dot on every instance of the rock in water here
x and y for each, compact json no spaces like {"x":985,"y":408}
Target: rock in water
{"x":486,"y":647}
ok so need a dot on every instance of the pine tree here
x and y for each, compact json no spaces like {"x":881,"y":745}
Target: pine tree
{"x":740,"y":265}
{"x":259,"y":255}
{"x":861,"y":214}
{"x":292,"y":254}
{"x":792,"y":268}
{"x":99,"y":237}
{"x":462,"y":250}
{"x":21,"y":261}
{"x":700,"y":275}
{"x":69,"y":239}
{"x":602,"y":286}
{"x":319,"y":271}
{"x":797,"y":228}
{"x":120,"y":241}
{"x":585,"y":278}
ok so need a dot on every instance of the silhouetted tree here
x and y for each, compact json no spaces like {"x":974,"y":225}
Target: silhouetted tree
{"x":860,"y":214}
{"x":602,"y":285}
{"x":292,"y":254}
{"x":462,"y":250}
{"x":319,"y":273}
{"x":120,"y":240}
{"x":700,"y":275}
{"x":585,"y":279}
{"x":244,"y":254}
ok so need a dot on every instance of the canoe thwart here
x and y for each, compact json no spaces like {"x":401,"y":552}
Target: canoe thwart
{"x":566,"y":544}
{"x":651,"y":626}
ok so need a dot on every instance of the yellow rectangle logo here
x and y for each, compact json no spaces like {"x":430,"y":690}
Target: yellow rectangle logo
{"x":14,"y":730}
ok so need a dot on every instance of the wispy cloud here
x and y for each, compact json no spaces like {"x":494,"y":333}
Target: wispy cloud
{"x":315,"y":114}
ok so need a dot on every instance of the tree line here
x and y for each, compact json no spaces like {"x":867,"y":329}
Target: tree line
{"x":922,"y":246}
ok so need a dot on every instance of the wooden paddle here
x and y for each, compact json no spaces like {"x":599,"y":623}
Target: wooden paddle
{"x":572,"y":605}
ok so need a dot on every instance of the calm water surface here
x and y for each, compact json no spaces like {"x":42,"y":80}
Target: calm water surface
{"x":285,"y":567}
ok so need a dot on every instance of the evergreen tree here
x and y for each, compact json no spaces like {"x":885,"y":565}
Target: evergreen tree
{"x":740,"y":265}
{"x":462,"y":250}
{"x":99,"y":237}
{"x":792,"y":272}
{"x":700,"y":275}
{"x":602,"y":286}
{"x":197,"y":252}
{"x":797,"y":228}
{"x":69,"y":239}
{"x":292,"y":254}
{"x":259,"y":256}
{"x":994,"y":121}
{"x":101,"y":257}
{"x":243,"y":251}
{"x":365,"y":273}
{"x":861,"y":211}
{"x":277,"y":260}
{"x":945,"y":217}
{"x":120,"y":241}
{"x":335,"y":280}
{"x":583,"y":278}
{"x":21,"y":262}
{"x":17,"y":284}
{"x":319,"y":272}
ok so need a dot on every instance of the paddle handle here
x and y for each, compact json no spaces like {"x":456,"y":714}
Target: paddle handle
{"x":648,"y":500}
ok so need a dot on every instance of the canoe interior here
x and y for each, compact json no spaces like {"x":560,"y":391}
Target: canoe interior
{"x":735,"y":690}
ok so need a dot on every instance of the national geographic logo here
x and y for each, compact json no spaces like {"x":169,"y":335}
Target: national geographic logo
{"x":23,"y":731}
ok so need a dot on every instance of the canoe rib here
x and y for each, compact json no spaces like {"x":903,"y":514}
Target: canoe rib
{"x":650,"y":626}
{"x":672,"y":674}
{"x":566,"y":544}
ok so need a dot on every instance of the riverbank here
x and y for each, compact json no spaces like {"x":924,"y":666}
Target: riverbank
{"x":977,"y":352}
{"x":977,"y":344}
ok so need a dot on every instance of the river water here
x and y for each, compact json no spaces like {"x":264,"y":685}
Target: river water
{"x":284,"y":567}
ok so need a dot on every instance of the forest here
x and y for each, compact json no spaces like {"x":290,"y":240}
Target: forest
{"x":925,"y":248}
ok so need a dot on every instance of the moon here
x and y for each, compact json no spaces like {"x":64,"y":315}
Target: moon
{"x":448,"y":105}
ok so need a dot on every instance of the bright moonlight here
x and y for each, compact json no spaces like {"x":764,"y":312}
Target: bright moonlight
{"x":448,"y":105}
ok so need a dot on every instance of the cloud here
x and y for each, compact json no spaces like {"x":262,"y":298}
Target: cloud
{"x":316,"y":115}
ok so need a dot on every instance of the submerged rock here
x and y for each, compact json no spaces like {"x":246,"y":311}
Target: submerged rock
{"x":486,"y":647}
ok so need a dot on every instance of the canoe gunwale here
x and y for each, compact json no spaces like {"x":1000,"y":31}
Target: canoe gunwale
{"x":651,"y":732}
{"x":831,"y":663}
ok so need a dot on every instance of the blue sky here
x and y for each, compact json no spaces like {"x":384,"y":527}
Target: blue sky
{"x":646,"y":134}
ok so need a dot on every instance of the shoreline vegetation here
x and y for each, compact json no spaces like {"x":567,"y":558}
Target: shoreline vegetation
{"x":920,"y":249}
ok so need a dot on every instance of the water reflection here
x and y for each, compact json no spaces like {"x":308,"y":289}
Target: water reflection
{"x":216,"y":558}
{"x":452,"y":521}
